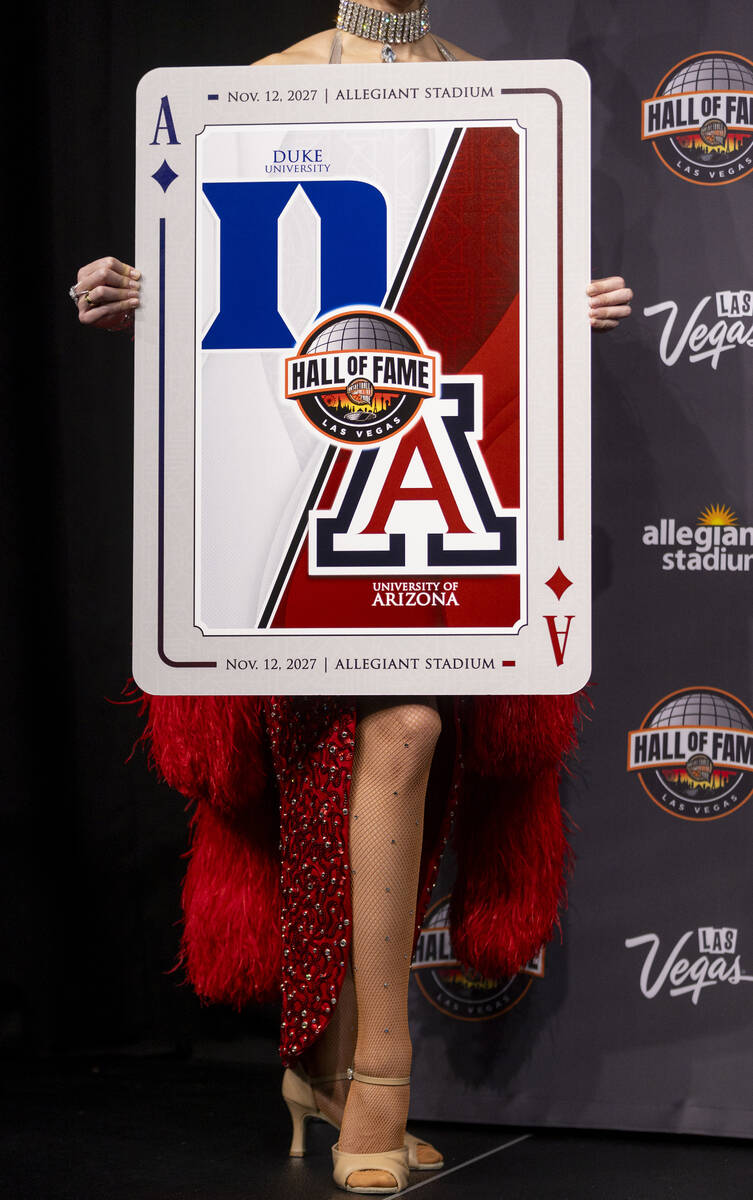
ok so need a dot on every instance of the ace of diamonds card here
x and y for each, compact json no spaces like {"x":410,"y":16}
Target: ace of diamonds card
{"x":362,"y":380}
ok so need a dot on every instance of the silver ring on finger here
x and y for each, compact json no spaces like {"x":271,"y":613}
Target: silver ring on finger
{"x":76,"y":296}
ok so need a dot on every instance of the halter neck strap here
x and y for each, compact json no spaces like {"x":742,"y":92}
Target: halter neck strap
{"x":336,"y":53}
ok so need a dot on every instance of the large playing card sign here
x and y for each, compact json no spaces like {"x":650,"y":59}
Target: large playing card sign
{"x":362,"y":427}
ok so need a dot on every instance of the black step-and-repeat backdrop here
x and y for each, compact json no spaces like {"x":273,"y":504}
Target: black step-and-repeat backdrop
{"x":641,"y":1016}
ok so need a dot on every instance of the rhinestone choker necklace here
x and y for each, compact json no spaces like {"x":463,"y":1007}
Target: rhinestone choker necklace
{"x":380,"y":26}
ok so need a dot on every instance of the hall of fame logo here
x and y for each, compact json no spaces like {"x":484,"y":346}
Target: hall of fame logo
{"x":700,"y":118}
{"x":360,"y":376}
{"x":693,"y":754}
{"x":457,"y":990}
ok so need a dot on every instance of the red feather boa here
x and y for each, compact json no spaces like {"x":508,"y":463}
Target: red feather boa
{"x":509,"y":835}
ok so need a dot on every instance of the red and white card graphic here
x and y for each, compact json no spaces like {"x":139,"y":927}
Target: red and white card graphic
{"x":362,"y":380}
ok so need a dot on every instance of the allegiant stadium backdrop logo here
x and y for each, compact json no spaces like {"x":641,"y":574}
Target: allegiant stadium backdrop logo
{"x":717,"y":542}
{"x":700,"y":118}
{"x":694,"y":753}
{"x":458,"y":991}
{"x":360,"y":376}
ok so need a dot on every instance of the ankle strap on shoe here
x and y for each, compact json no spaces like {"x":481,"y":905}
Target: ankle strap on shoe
{"x":316,"y":1080}
{"x":359,"y":1078}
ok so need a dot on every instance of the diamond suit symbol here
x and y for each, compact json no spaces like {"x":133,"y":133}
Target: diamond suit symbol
{"x":559,"y":583}
{"x":165,"y":175}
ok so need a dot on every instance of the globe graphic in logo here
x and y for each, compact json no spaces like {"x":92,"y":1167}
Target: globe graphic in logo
{"x":712,"y":73}
{"x":699,"y":788}
{"x":361,"y":331}
{"x":701,"y":708}
{"x":713,"y":151}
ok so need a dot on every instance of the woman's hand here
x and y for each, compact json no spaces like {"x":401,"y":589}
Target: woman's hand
{"x":610,"y":302}
{"x":106,"y":293}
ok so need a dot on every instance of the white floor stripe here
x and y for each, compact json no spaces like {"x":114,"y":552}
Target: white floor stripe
{"x":437,"y":1175}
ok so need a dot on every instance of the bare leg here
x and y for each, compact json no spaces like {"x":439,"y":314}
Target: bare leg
{"x":333,"y":1052}
{"x":393,"y":753}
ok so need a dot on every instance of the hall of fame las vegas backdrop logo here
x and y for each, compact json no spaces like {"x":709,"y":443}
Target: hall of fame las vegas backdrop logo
{"x":700,"y":118}
{"x":458,"y":991}
{"x":693,"y":753}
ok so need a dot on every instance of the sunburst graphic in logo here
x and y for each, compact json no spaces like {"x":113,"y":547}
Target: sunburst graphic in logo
{"x":717,"y":514}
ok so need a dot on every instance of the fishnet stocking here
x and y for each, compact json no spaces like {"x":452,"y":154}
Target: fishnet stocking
{"x":393,"y":752}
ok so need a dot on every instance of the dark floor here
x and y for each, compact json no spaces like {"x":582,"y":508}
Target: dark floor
{"x":160,"y":1128}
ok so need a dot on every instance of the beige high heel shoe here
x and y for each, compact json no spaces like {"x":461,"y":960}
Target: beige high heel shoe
{"x":427,"y":1163}
{"x":298,"y":1094}
{"x":389,"y":1165}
